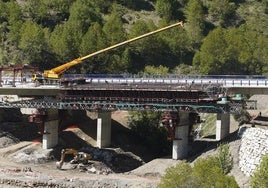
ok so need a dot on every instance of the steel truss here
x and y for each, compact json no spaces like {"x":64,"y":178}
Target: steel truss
{"x":103,"y":105}
{"x":123,"y":97}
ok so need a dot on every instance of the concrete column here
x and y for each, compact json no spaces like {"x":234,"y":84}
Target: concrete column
{"x":104,"y":129}
{"x":222,"y":125}
{"x":50,"y":136}
{"x":180,"y":147}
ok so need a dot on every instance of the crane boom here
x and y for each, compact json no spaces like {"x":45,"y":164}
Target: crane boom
{"x":58,"y":71}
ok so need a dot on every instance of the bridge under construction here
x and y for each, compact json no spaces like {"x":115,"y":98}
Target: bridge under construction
{"x":183,"y":96}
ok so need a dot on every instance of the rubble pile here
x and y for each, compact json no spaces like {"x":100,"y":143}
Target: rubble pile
{"x":106,"y":161}
{"x":33,"y":153}
{"x":254,"y":146}
{"x":7,"y":139}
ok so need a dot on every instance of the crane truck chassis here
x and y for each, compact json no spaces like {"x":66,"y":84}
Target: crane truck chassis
{"x":54,"y":75}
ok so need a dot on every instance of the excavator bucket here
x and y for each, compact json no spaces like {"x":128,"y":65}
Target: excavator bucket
{"x":59,"y":164}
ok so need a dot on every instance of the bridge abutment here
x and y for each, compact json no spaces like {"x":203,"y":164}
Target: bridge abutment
{"x":180,"y":143}
{"x":222,"y":125}
{"x":104,"y":129}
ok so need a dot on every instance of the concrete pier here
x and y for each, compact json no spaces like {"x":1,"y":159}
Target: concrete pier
{"x":222,"y":125}
{"x":104,"y":129}
{"x":180,"y":145}
{"x":50,"y":136}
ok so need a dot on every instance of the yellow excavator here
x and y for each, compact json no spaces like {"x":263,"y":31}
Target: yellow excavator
{"x":79,"y":157}
{"x":57,"y":72}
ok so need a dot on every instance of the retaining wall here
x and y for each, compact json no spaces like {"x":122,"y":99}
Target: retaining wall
{"x":254,"y":145}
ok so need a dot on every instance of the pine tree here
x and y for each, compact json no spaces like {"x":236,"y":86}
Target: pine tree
{"x":195,"y":19}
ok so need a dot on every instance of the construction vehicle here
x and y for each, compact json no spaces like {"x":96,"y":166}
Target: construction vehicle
{"x":79,"y":157}
{"x":57,"y":72}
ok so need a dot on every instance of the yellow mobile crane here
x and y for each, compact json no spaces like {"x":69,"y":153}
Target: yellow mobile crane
{"x":56,"y":72}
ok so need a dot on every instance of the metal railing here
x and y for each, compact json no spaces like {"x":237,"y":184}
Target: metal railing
{"x":229,"y":81}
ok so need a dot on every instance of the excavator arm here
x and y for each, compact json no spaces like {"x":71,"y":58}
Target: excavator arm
{"x":78,"y":156}
{"x":56,"y":72}
{"x":63,"y":153}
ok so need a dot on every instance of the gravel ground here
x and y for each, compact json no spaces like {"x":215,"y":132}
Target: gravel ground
{"x":25,"y":164}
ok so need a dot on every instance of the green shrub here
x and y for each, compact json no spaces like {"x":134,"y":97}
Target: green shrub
{"x":260,"y":177}
{"x":179,"y":176}
{"x":207,"y":172}
{"x":224,"y":158}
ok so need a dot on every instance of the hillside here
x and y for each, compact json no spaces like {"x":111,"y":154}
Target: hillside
{"x":50,"y":33}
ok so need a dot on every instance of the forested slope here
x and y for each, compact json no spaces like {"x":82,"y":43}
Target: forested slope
{"x":219,"y":36}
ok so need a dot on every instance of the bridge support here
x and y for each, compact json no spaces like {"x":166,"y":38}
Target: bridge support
{"x":180,"y":144}
{"x":51,"y":123}
{"x":222,"y":125}
{"x":104,"y":129}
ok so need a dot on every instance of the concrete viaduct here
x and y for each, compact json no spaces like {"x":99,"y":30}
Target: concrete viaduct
{"x":104,"y":95}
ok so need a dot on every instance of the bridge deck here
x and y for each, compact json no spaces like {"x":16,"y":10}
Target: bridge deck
{"x":134,"y":93}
